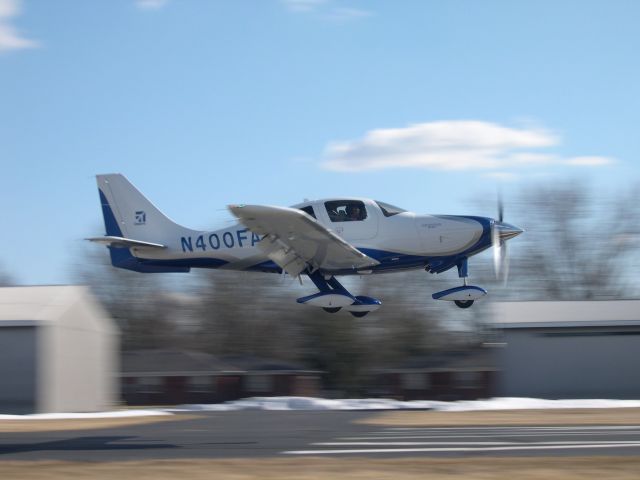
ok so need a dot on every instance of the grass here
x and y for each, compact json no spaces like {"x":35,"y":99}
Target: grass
{"x":311,"y":468}
{"x":577,"y":416}
{"x":19,"y":425}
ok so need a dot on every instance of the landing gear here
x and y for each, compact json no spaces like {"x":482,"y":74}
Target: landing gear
{"x":465,"y":295}
{"x":333,"y":297}
{"x":331,"y":309}
{"x":463,"y":303}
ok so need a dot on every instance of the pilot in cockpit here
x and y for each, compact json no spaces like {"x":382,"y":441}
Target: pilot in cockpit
{"x":353,"y":212}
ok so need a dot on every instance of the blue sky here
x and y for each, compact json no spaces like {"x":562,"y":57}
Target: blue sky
{"x":423,"y":104}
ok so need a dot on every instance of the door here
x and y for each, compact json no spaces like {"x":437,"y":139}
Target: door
{"x":350,"y":219}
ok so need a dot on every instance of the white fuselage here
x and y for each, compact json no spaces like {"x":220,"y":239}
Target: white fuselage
{"x":392,"y":239}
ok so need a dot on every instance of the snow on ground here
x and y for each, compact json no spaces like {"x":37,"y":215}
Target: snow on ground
{"x":91,"y":415}
{"x":309,"y":403}
{"x":507,"y":403}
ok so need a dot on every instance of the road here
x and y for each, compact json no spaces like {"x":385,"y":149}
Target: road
{"x":254,"y":433}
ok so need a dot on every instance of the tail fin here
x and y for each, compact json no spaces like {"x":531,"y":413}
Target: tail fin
{"x":132,"y":221}
{"x":129,"y":214}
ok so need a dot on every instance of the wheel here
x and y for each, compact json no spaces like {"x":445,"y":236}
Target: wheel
{"x":358,"y":314}
{"x":463,"y":303}
{"x":331,"y":309}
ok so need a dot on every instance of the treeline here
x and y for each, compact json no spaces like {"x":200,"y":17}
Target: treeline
{"x":226,"y":312}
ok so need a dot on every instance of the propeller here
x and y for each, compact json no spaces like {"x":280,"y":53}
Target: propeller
{"x":500,"y":257}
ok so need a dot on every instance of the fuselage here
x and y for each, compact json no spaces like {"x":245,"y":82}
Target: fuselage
{"x":396,"y":238}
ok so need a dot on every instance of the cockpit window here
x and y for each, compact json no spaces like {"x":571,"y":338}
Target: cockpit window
{"x":346,"y":210}
{"x":309,"y":211}
{"x":389,"y":210}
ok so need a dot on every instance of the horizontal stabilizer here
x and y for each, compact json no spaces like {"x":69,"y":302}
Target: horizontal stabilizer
{"x":121,"y":242}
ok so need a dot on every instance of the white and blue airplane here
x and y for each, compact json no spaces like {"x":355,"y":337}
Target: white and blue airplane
{"x":322,"y":239}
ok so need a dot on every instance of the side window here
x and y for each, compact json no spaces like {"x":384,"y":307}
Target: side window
{"x":346,"y":210}
{"x":309,"y":211}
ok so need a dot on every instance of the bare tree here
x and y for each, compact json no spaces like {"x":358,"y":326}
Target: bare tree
{"x":137,"y":301}
{"x":578,"y":244}
{"x":5,"y":279}
{"x":248,"y":313}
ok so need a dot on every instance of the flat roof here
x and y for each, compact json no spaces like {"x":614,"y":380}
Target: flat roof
{"x":597,"y":313}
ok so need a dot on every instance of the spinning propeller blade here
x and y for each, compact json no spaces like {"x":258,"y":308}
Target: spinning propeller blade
{"x":499,"y":234}
{"x":500,"y":259}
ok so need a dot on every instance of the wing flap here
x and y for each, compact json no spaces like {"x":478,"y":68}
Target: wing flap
{"x":295,"y":241}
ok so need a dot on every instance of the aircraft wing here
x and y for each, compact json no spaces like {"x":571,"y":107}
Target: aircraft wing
{"x":295,"y":241}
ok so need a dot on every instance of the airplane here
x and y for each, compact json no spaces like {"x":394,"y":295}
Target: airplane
{"x":322,"y":239}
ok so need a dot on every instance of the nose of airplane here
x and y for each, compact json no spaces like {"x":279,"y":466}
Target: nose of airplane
{"x":506,"y":230}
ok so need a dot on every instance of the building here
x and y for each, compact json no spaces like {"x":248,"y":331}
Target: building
{"x":464,"y":375}
{"x":58,"y":351}
{"x":569,"y":349}
{"x":158,"y":377}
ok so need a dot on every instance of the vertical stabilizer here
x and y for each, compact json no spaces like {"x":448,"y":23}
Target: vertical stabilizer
{"x":132,"y":224}
{"x":129,"y":214}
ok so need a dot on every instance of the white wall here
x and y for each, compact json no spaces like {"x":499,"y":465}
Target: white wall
{"x":79,"y":360}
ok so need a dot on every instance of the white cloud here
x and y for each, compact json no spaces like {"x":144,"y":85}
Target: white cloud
{"x":444,"y":145}
{"x":10,"y":38}
{"x":450,"y":145}
{"x":343,"y":14}
{"x":151,"y":4}
{"x":590,"y":161}
{"x":326,"y":9}
{"x":303,"y":5}
{"x":502,"y":176}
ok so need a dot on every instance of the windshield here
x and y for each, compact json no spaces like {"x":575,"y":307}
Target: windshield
{"x":389,"y":210}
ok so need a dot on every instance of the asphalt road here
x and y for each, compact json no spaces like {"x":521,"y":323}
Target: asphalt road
{"x":256,"y":433}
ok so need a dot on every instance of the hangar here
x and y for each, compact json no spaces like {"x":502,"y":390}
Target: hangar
{"x":569,"y":349}
{"x":58,"y":351}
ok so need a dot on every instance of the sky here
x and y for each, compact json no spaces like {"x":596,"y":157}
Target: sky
{"x":422,"y":104}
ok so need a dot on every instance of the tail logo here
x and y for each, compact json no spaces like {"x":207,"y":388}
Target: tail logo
{"x":141,"y":218}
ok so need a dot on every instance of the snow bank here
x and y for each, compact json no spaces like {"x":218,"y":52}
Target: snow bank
{"x":310,"y":403}
{"x":307,"y":403}
{"x":507,"y":403}
{"x":92,"y":415}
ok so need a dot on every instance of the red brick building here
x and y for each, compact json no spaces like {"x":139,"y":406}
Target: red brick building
{"x":168,"y":377}
{"x":449,"y":376}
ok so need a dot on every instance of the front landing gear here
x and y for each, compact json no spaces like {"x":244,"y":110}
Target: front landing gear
{"x":333,"y":297}
{"x":331,"y":309}
{"x":463,"y":296}
{"x":463,"y":303}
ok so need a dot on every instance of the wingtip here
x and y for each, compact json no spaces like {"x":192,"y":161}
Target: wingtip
{"x":234,"y":208}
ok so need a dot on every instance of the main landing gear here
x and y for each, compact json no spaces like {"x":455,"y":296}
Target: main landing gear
{"x":465,"y":295}
{"x":333,"y":297}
